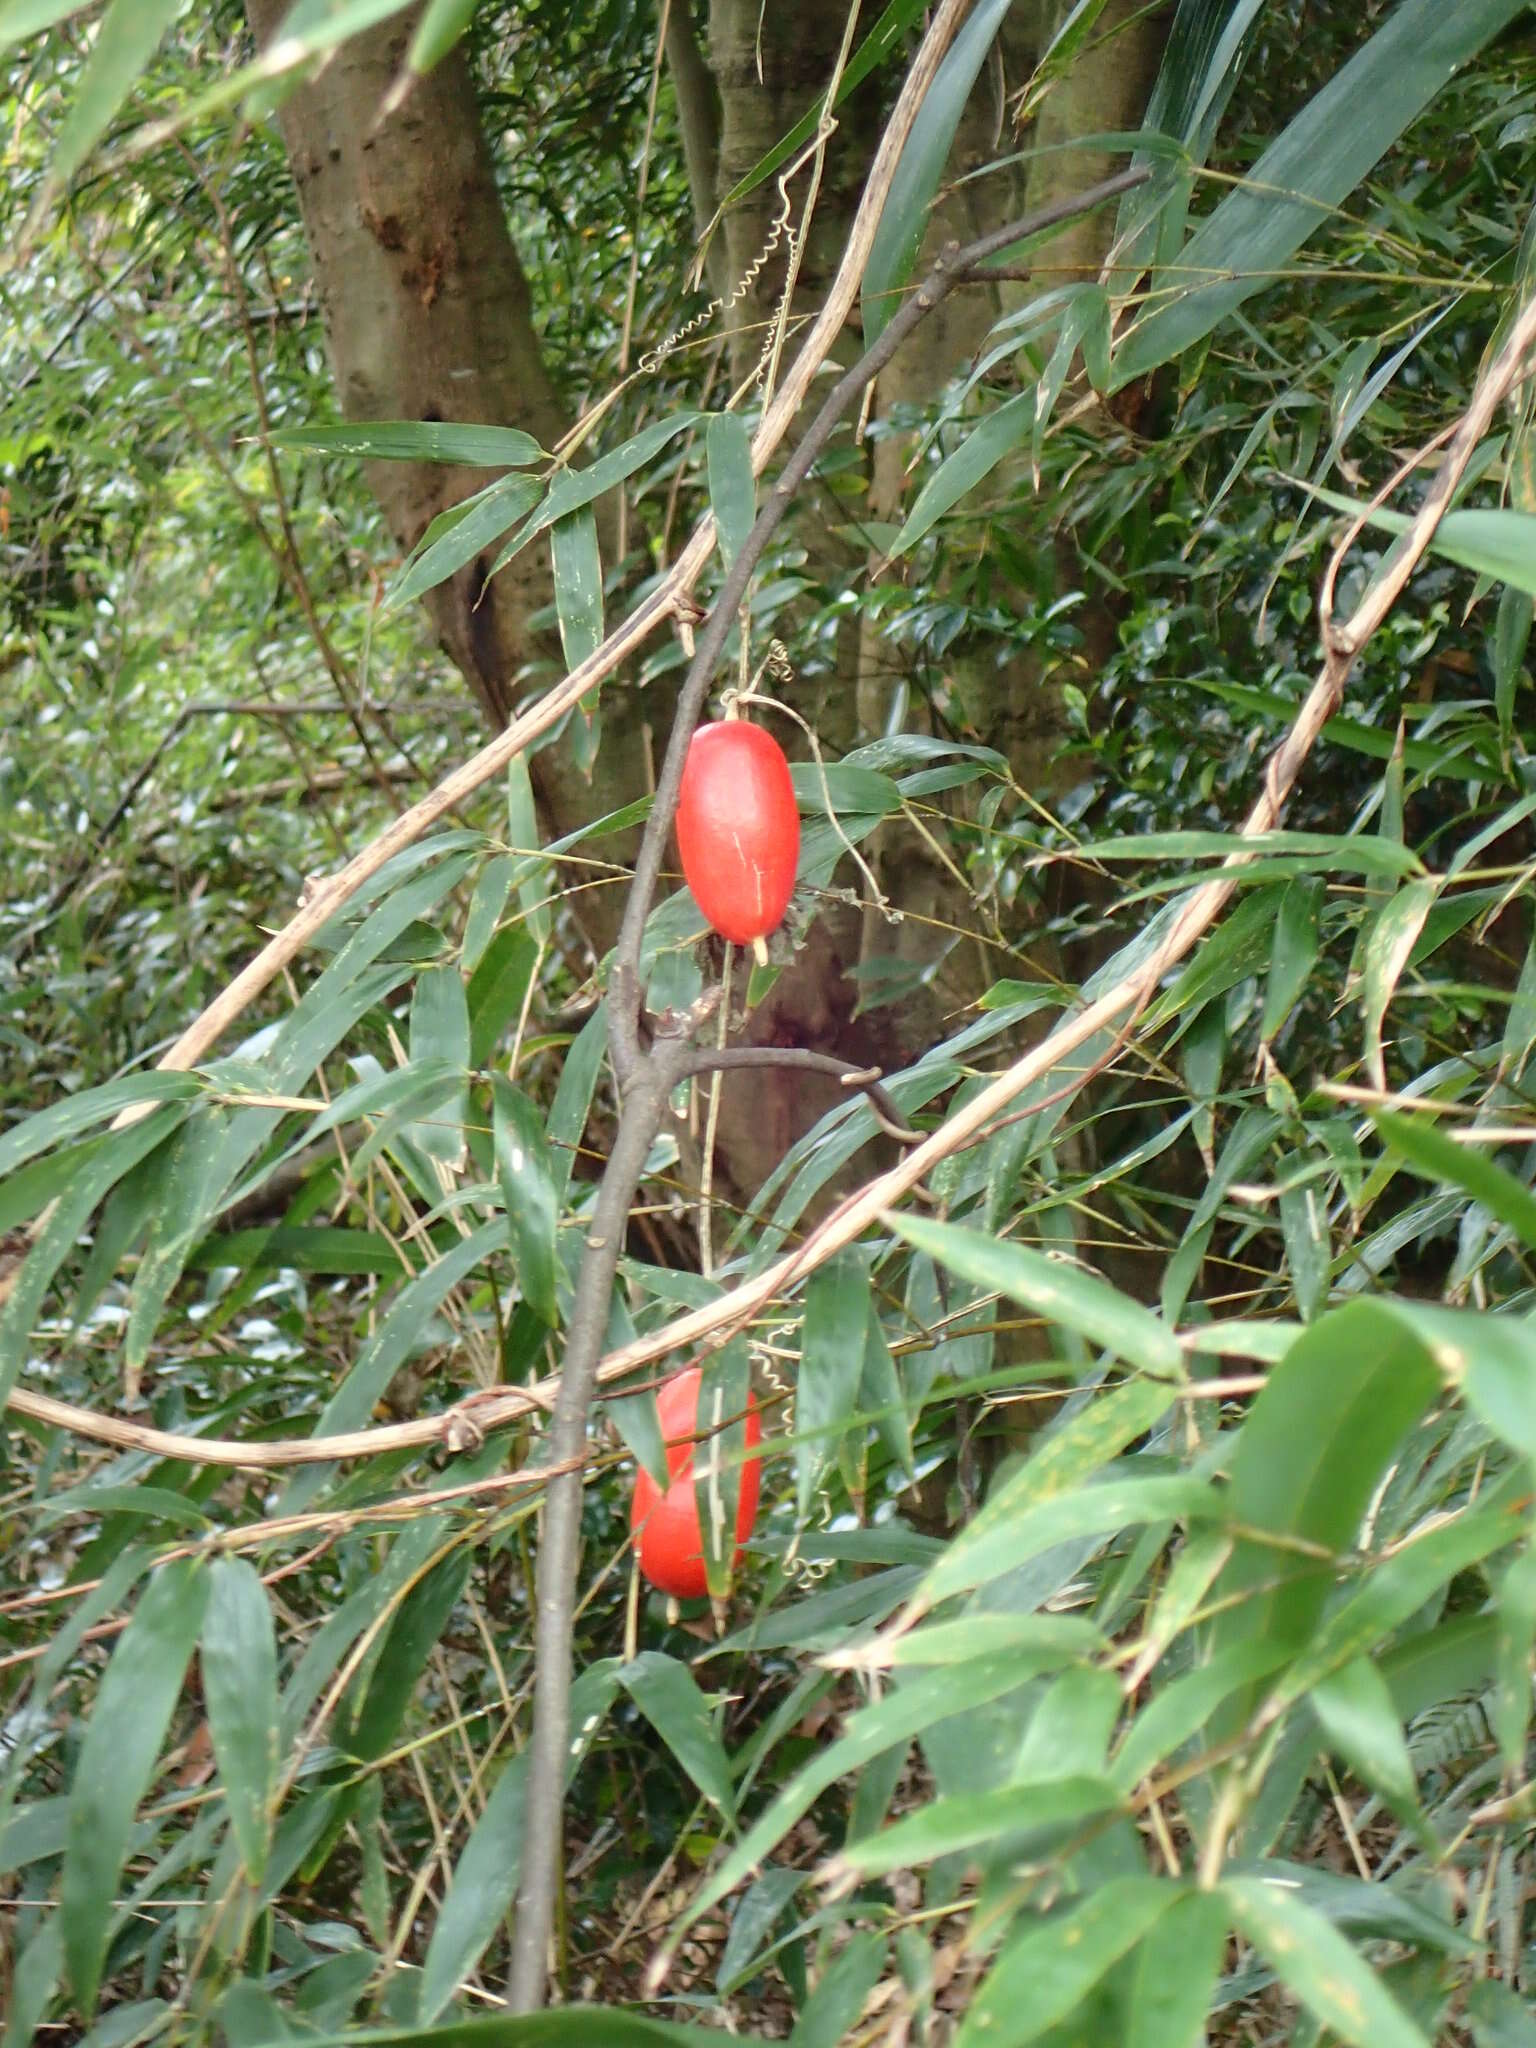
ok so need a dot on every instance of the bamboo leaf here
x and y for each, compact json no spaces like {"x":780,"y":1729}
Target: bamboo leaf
{"x":1325,"y":1971}
{"x":1306,"y":173}
{"x":239,"y":1666}
{"x":132,"y":1711}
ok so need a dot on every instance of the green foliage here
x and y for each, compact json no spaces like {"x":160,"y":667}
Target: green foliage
{"x":1136,"y":1643}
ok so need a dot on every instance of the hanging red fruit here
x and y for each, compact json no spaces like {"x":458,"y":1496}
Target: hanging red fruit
{"x":738,"y":829}
{"x":665,"y":1526}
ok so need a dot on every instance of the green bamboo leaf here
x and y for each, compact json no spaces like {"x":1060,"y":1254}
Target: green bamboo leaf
{"x":984,"y":1552}
{"x":570,"y":2026}
{"x":881,"y":1395}
{"x":1044,"y":1809}
{"x":132,"y":1710}
{"x":976,"y":457}
{"x":668,"y":1695}
{"x":853,"y":791}
{"x":418,"y":441}
{"x":725,"y":1386}
{"x":904,"y":217}
{"x":904,"y":1712}
{"x":578,"y":578}
{"x":62,"y":1120}
{"x":1360,"y":1721}
{"x":1329,"y":851}
{"x":1071,"y":1454}
{"x":481,"y":1890}
{"x":1298,"y":923}
{"x":424,"y":1613}
{"x":831,"y":1361}
{"x":34,"y":1979}
{"x":1399,"y":1586}
{"x":497,"y":990}
{"x":323,"y":1248}
{"x":1500,"y":2019}
{"x":439,"y":1036}
{"x":1495,"y":542}
{"x":1438,"y":1159}
{"x":1516,"y":1606}
{"x":1512,"y":632}
{"x":1308,"y":1250}
{"x":832,"y":2011}
{"x":1169,"y":1997}
{"x":1044,"y":1973}
{"x":1306,"y":173}
{"x":239,"y":1665}
{"x":439,"y":28}
{"x":22,"y":18}
{"x":732,"y":486}
{"x":459,"y":534}
{"x":130,"y":33}
{"x":112,"y":1157}
{"x":1181,"y":1707}
{"x":526,"y":1173}
{"x":572,"y":489}
{"x":573,"y":1097}
{"x":1319,"y":1435}
{"x":523,"y":835}
{"x":493,"y":885}
{"x":1313,"y":1960}
{"x":1062,"y":1293}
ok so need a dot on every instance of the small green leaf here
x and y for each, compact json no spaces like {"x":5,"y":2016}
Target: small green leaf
{"x":831,"y":1362}
{"x":439,"y":1036}
{"x":1045,"y":1972}
{"x":732,"y":486}
{"x":129,"y":35}
{"x":668,"y":1695}
{"x":725,"y":1386}
{"x":133,"y":1707}
{"x":439,"y":28}
{"x":1516,"y":1606}
{"x":1314,"y":1445}
{"x":480,"y":1891}
{"x":527,"y":1177}
{"x":832,"y":2011}
{"x":881,"y":1395}
{"x":418,"y":441}
{"x":1360,"y":1721}
{"x":1324,"y":1970}
{"x":1388,"y":944}
{"x":459,"y":534}
{"x":1044,"y":1809}
{"x":493,"y":885}
{"x":1500,"y":2019}
{"x":1440,"y":1160}
{"x":578,"y":578}
{"x":1297,"y":926}
{"x":1052,"y":1288}
{"x":423,"y":1615}
{"x":34,"y":1979}
{"x":239,"y":1666}
{"x":1169,"y":1996}
{"x":497,"y":990}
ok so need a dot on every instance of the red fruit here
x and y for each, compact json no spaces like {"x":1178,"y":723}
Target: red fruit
{"x":666,"y":1525}
{"x":738,"y":829}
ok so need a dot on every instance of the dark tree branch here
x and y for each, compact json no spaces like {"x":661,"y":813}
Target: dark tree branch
{"x":730,"y":1059}
{"x":647,"y":1075}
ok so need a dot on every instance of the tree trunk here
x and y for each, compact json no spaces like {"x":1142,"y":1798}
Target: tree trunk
{"x":427,"y":317}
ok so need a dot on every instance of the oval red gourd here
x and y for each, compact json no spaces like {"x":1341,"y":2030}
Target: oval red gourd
{"x":665,"y":1526}
{"x":738,"y":829}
